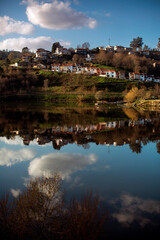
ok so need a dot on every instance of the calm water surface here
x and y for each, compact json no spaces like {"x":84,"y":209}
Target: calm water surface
{"x":114,"y":152}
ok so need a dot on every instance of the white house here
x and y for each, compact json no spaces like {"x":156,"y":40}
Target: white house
{"x":88,"y":58}
{"x":55,"y":67}
{"x":111,"y":73}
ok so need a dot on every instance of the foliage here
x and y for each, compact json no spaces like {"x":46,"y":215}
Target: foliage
{"x":131,"y":95}
{"x":54,"y":46}
{"x":136,"y":43}
{"x":146,"y":48}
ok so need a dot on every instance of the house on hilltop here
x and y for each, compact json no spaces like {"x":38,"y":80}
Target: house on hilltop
{"x":26,"y":57}
{"x":137,"y":76}
{"x":62,"y":51}
{"x":111,"y":73}
{"x":42,"y":54}
{"x":118,"y":49}
{"x":81,"y":51}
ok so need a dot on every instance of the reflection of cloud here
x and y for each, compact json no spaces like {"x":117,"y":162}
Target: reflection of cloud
{"x":76,"y":182}
{"x":15,"y":192}
{"x":63,"y":163}
{"x":17,"y":140}
{"x":133,"y":209}
{"x":11,"y":157}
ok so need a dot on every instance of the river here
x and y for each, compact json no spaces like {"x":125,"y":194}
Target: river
{"x":112,"y":151}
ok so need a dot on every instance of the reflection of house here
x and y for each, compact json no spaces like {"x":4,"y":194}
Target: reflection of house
{"x":111,"y":124}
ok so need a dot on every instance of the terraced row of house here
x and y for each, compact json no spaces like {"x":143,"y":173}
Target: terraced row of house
{"x":88,"y":70}
{"x":102,"y":72}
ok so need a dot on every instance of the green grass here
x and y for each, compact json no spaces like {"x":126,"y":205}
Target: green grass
{"x":106,"y":67}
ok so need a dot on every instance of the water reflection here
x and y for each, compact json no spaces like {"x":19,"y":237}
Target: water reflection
{"x":81,"y":126}
{"x":131,"y":209}
{"x":11,"y":157}
{"x":112,"y":151}
{"x":63,"y":163}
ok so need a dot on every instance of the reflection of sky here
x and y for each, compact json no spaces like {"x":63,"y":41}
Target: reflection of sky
{"x":116,"y":173}
{"x":131,"y":208}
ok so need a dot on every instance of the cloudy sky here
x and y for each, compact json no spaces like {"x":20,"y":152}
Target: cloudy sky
{"x":35,"y":23}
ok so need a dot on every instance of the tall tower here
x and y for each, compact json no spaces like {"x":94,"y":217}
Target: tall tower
{"x":109,"y":41}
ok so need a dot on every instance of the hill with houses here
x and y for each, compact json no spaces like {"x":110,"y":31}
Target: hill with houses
{"x":111,"y":61}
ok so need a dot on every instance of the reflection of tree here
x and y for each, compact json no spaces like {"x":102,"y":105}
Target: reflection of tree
{"x":40,"y":212}
{"x":86,"y":146}
{"x":158,"y":147}
{"x":145,"y":141}
{"x":135,"y":147}
{"x":131,"y":113}
{"x":55,"y":146}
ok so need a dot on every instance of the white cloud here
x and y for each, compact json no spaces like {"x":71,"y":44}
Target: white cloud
{"x":11,"y":157}
{"x":63,"y":163}
{"x":31,"y":43}
{"x":57,"y":15}
{"x":133,"y":209}
{"x":9,"y":25}
{"x":15,"y":192}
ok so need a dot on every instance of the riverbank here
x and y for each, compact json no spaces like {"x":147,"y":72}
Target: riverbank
{"x":49,"y":86}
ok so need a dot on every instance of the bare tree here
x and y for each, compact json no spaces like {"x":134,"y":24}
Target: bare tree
{"x":86,"y":45}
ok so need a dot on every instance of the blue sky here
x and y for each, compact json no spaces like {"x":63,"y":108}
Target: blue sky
{"x":40,"y":23}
